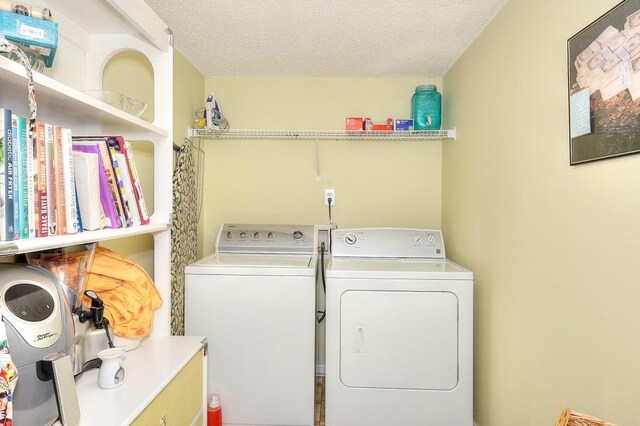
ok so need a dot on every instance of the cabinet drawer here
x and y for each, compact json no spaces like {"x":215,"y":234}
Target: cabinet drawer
{"x":180,"y":402}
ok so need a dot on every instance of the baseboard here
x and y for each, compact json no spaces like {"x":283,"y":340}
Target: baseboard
{"x":320,"y":369}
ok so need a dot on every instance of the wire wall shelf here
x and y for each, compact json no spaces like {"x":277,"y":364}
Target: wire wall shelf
{"x":323,"y":134}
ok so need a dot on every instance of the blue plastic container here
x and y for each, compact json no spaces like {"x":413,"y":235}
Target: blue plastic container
{"x":426,"y":108}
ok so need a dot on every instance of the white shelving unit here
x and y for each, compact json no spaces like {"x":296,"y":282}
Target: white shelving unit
{"x":90,"y":33}
{"x":323,"y":134}
{"x":320,"y":135}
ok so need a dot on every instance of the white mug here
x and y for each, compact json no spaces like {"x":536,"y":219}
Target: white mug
{"x":112,"y":373}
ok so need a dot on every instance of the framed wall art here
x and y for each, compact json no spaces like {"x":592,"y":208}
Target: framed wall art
{"x":604,"y":86}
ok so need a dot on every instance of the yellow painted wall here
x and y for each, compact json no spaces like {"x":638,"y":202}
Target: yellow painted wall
{"x":377,"y":183}
{"x":553,"y":247}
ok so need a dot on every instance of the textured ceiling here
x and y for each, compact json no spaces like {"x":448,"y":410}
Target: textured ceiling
{"x":325,"y":37}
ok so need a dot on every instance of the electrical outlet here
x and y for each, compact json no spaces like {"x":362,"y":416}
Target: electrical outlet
{"x":329,"y":193}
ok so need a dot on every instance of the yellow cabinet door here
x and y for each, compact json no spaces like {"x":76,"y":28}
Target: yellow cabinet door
{"x":180,"y":402}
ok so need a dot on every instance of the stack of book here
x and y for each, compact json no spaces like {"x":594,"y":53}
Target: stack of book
{"x":57,"y":184}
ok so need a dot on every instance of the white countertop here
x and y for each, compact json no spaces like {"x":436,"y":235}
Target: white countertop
{"x":149,"y":369}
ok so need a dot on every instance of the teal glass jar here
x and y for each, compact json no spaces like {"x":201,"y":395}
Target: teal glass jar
{"x":426,"y":108}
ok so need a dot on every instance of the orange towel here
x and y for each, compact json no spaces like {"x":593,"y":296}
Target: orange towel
{"x":129,"y":295}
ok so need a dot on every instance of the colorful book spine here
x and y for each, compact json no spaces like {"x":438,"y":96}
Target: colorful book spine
{"x":32,"y":160}
{"x":25,"y":178}
{"x":17,"y":178}
{"x":58,"y":169}
{"x":42,"y":206}
{"x":6,"y":193}
{"x":111,"y":178}
{"x":122,"y":192}
{"x":128,"y":196}
{"x":114,"y":148}
{"x":71,"y":205}
{"x":50,"y":178}
{"x":106,"y":194}
{"x":137,"y":186}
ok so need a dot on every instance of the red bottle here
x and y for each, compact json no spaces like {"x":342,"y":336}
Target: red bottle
{"x":214,"y":411}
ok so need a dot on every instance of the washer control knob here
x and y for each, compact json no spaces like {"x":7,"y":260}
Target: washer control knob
{"x":297,"y":235}
{"x":256,"y":235}
{"x":350,"y":239}
{"x":243,"y":235}
{"x":229,"y":234}
{"x":270,"y":236}
{"x":417,"y":239}
{"x":431,"y":238}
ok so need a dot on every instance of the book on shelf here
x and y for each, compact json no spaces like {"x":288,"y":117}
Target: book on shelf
{"x":50,"y":178}
{"x":131,"y":179}
{"x":66,"y":208}
{"x":6,"y":180}
{"x":109,"y":194}
{"x":130,"y":211}
{"x":71,"y":206}
{"x":32,"y":160}
{"x":23,"y":176}
{"x":88,"y":190}
{"x":58,"y":171}
{"x":127,"y":188}
{"x":137,"y":186}
{"x":41,"y":197}
{"x":114,"y":148}
{"x":17,"y":170}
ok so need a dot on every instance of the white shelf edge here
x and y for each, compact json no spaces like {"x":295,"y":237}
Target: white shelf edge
{"x":323,"y":134}
{"x":142,"y":17}
{"x":54,"y":90}
{"x":35,"y":244}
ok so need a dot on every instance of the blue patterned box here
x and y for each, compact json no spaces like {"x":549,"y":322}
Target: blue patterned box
{"x":38,"y":34}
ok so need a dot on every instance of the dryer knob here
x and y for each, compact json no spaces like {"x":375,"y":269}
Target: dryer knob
{"x":243,"y":235}
{"x":350,"y":239}
{"x":297,"y":235}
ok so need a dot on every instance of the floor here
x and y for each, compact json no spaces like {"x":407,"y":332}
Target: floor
{"x":319,"y":412}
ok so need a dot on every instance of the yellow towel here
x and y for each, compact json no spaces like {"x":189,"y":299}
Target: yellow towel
{"x":129,"y":295}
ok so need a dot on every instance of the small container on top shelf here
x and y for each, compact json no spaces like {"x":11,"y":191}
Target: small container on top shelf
{"x":426,"y":108}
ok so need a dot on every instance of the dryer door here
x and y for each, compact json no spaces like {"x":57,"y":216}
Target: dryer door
{"x":399,"y":339}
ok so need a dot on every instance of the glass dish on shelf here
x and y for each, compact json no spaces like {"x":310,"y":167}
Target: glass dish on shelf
{"x":36,"y":59}
{"x":124,"y":103}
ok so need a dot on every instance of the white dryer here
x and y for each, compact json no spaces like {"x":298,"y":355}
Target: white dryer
{"x":399,"y":336}
{"x":254,"y":300}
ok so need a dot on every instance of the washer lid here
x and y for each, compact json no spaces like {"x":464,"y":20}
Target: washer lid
{"x":254,"y":264}
{"x":397,"y":268}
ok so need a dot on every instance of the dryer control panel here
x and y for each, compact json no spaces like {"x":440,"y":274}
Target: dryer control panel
{"x":388,"y":243}
{"x":266,"y":239}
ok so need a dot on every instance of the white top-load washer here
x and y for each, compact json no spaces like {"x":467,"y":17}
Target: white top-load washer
{"x":254,"y":300}
{"x":399,"y":336}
